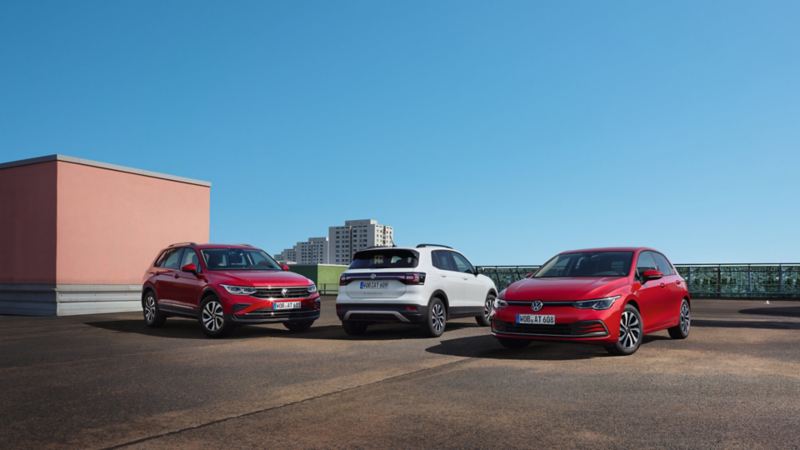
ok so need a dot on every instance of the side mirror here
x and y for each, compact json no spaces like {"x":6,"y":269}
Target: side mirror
{"x":284,"y":267}
{"x":190,"y":268}
{"x":651,"y":274}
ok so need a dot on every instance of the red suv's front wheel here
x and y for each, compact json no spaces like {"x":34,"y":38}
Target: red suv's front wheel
{"x":212,"y":318}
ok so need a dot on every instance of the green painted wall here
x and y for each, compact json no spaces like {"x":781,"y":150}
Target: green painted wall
{"x":326,"y":276}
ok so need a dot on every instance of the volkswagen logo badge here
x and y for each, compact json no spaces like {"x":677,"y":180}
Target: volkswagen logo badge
{"x":284,"y":291}
{"x":537,"y":305}
{"x":373,"y":276}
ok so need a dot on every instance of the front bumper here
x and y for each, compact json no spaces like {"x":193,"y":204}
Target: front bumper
{"x":571,"y":324}
{"x":262,"y":311}
{"x":381,"y":312}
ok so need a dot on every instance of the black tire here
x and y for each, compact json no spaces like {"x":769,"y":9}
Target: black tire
{"x":483,"y":320}
{"x":513,"y":343}
{"x":681,"y":331}
{"x":212,"y":319}
{"x":435,"y":319}
{"x":354,"y":328}
{"x":631,"y":331}
{"x":153,"y":317}
{"x":298,"y":325}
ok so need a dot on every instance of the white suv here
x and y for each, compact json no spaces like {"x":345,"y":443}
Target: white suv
{"x":425,"y":285}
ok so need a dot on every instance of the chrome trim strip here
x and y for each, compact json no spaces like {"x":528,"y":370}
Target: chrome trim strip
{"x":566,"y":336}
{"x":396,"y":314}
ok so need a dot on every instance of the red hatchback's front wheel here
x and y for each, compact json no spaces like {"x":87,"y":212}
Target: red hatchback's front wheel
{"x":630,"y":332}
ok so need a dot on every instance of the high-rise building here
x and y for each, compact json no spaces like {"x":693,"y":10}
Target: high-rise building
{"x":312,"y":251}
{"x":357,"y":235}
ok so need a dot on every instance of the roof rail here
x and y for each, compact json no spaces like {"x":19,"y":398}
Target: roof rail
{"x":182,"y":243}
{"x":245,"y":245}
{"x":434,"y":245}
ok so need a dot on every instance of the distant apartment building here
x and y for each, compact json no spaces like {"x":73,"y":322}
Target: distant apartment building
{"x":312,"y":251}
{"x":288,"y":255}
{"x":356,"y":235}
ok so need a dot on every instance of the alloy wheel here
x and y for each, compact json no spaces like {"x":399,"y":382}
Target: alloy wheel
{"x":686,"y":318}
{"x":630,"y":330}
{"x":438,"y":317}
{"x":487,"y":307}
{"x":213,"y":318}
{"x":150,"y":308}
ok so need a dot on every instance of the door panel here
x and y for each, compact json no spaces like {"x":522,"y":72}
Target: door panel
{"x":187,"y":286}
{"x":453,"y":281}
{"x":671,"y":302}
{"x":651,"y":294}
{"x":166,"y":280}
{"x":474,"y":294}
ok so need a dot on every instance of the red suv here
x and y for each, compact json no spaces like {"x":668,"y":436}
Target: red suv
{"x":609,"y":296}
{"x":226,"y":285}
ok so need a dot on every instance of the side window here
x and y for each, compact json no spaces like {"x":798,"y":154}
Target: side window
{"x":443,"y":260}
{"x":171,"y":259}
{"x":190,"y":257}
{"x":663,"y":264}
{"x":462,"y":264}
{"x":645,"y":262}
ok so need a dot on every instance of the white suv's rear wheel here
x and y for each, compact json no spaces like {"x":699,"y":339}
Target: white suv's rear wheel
{"x":483,"y":320}
{"x":436,"y":319}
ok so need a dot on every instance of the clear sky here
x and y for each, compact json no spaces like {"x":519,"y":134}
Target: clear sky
{"x":511,"y":130}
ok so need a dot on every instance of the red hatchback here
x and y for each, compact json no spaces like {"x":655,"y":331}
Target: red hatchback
{"x":609,"y":296}
{"x":226,"y":285}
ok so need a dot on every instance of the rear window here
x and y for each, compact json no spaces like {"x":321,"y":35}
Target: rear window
{"x":385,"y":259}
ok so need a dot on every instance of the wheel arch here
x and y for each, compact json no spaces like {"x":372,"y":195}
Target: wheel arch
{"x":442,"y":296}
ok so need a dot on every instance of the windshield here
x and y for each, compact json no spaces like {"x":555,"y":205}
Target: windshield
{"x":587,"y":264}
{"x":238,"y":259}
{"x":384,"y":259}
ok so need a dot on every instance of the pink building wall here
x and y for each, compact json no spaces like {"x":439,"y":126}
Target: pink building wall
{"x":111,"y":224}
{"x":28,"y":224}
{"x":76,"y":236}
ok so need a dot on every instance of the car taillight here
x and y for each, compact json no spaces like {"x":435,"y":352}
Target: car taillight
{"x":413,"y":278}
{"x":343,"y":280}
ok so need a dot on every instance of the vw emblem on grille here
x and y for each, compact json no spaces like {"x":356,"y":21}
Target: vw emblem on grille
{"x":537,"y":305}
{"x":284,"y":291}
{"x":373,"y":276}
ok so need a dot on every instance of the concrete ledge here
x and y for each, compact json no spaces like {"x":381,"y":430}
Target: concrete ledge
{"x":68,"y":299}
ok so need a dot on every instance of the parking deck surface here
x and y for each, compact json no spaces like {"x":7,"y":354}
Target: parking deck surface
{"x":106,"y":380}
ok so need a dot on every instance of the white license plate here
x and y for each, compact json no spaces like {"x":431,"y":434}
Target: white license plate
{"x":281,"y":306}
{"x":373,"y":285}
{"x":536,"y":319}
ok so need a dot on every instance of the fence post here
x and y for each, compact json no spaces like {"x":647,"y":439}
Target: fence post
{"x":749,"y":280}
{"x":780,"y":280}
{"x":719,"y":280}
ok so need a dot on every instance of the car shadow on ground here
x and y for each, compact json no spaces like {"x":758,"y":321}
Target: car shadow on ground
{"x":487,"y":347}
{"x":780,"y":311}
{"x":180,"y":328}
{"x":764,"y":325}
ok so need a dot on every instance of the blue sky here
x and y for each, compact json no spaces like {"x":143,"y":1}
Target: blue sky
{"x":511,"y":130}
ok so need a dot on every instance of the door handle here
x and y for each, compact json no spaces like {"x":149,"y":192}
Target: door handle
{"x":178,"y":276}
{"x":662,"y":285}
{"x":444,"y":276}
{"x":678,"y":283}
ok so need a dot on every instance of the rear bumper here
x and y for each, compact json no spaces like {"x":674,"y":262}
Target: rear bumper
{"x":381,"y":312}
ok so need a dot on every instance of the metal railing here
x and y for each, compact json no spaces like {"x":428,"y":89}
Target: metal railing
{"x":744,"y":281}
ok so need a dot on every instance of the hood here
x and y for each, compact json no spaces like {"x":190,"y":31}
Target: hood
{"x":259,"y":278}
{"x":566,"y":289}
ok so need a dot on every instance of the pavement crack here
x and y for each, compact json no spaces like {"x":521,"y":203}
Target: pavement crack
{"x":288,"y":404}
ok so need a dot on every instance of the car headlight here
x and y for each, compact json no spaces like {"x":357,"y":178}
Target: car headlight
{"x":240,"y":290}
{"x":312,"y":288}
{"x":499,"y":302}
{"x":600,"y":303}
